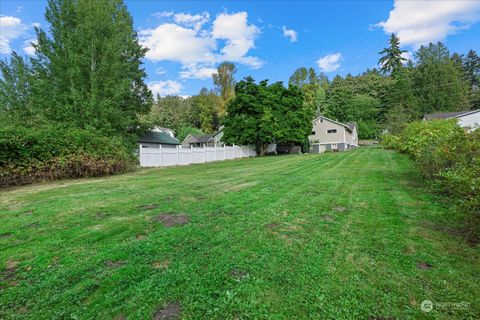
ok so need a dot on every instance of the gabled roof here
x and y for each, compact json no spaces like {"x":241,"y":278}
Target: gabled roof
{"x":204,"y":139}
{"x":347,"y":126}
{"x":448,"y":115}
{"x":220,"y":129}
{"x":158,"y":137}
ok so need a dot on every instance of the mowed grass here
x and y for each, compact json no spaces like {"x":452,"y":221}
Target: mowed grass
{"x":333,"y":236}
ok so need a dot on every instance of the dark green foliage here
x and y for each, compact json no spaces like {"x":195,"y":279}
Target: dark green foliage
{"x":185,"y":131}
{"x":206,"y":107}
{"x":439,"y":82}
{"x":391,"y":61}
{"x":313,"y":87}
{"x":357,"y":99}
{"x":55,"y":152}
{"x":471,"y":67}
{"x":172,"y":112}
{"x":261,"y":114}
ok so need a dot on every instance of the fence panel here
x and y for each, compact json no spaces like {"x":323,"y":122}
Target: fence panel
{"x":184,"y":156}
{"x":165,"y":157}
{"x":198,"y":155}
{"x":210,"y":154}
{"x":169,"y":157}
{"x":220,"y":153}
{"x":229,"y":153}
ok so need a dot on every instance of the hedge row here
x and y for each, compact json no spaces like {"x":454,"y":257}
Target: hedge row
{"x":54,"y":152}
{"x":449,"y":156}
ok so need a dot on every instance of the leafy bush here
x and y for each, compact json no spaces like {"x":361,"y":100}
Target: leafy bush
{"x":390,"y":141}
{"x":449,"y":156}
{"x":55,"y":152}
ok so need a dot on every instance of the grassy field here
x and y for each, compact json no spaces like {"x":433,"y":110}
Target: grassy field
{"x":333,"y":236}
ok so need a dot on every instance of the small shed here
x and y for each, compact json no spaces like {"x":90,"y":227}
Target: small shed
{"x":154,"y":139}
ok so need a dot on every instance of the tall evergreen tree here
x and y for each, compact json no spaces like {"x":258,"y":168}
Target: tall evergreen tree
{"x":391,"y":60}
{"x":471,"y":67}
{"x":89,"y":70}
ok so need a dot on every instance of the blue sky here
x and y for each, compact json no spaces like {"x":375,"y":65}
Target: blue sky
{"x":266,"y":39}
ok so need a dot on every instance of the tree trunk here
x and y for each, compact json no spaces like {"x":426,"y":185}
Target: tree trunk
{"x":261,"y":148}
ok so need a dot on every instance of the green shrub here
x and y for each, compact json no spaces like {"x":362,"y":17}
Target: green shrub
{"x":390,"y":141}
{"x":55,"y":152}
{"x":450,"y":157}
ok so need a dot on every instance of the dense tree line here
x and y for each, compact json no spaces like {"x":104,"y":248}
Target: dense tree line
{"x":402,"y":91}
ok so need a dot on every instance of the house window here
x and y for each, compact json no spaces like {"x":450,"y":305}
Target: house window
{"x":334,"y":146}
{"x":332,"y":131}
{"x":313,"y":133}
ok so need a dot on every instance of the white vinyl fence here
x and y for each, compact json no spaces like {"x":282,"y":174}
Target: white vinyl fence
{"x":178,"y":156}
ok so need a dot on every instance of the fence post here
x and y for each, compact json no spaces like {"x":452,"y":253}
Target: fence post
{"x":191,"y":154}
{"x":161,"y":155}
{"x":177,"y":149}
{"x":233,"y":147}
{"x":140,"y":155}
{"x":224,"y":152}
{"x":204,"y":154}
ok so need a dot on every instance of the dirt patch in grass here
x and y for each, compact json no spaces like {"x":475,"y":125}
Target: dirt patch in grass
{"x":161,"y":265}
{"x":238,"y":274}
{"x":101,"y":215}
{"x":424,"y":265}
{"x":146,"y":207}
{"x":339,"y":209}
{"x":272,"y":226}
{"x":9,"y":274}
{"x":171,"y":220}
{"x":32,"y":225}
{"x":114,"y":264}
{"x":5,"y":235}
{"x":170,"y":311}
{"x":328,"y":218}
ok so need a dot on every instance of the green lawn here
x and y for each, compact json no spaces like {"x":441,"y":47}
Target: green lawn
{"x":333,"y":236}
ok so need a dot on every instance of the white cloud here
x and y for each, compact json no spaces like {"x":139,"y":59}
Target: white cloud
{"x":330,"y":62}
{"x":28,"y":47}
{"x":195,"y":72}
{"x":239,"y":36}
{"x":420,"y":22}
{"x":407,"y":55}
{"x":164,"y":88}
{"x":195,"y":21}
{"x":11,"y":29}
{"x":163,"y":14}
{"x":188,"y":41}
{"x":290,"y":33}
{"x":172,"y":42}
